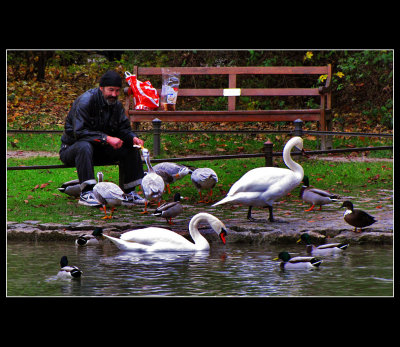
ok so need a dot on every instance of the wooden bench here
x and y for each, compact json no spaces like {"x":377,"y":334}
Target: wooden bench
{"x":322,"y":114}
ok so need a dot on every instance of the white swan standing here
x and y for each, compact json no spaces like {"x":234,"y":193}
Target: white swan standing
{"x":263,"y":185}
{"x":155,"y":239}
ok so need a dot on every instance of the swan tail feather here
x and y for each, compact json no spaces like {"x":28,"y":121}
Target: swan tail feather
{"x":223,"y":201}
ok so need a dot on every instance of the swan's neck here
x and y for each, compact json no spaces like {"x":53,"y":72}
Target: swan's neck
{"x":198,"y":239}
{"x":290,"y":163}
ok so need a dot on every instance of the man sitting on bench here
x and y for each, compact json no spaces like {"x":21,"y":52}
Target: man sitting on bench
{"x":97,"y":132}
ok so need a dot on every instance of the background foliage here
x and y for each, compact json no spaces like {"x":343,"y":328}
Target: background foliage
{"x":41,"y":85}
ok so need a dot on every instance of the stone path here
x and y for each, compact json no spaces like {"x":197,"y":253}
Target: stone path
{"x":324,"y":225}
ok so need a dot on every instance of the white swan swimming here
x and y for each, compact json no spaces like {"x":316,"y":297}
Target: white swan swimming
{"x":263,"y":185}
{"x":155,"y":239}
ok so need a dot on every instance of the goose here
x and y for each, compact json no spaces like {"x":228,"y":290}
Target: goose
{"x":315,"y":196}
{"x":152,"y":184}
{"x":153,"y":239}
{"x":262,"y":186}
{"x":355,"y":217}
{"x":170,"y":210}
{"x":204,"y":179}
{"x":89,"y":239}
{"x":71,"y":188}
{"x":298,"y":262}
{"x":323,"y":250}
{"x":108,"y":193}
{"x":171,"y":172}
{"x":68,"y":271}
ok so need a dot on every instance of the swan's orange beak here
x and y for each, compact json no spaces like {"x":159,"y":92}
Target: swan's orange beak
{"x":222,"y":235}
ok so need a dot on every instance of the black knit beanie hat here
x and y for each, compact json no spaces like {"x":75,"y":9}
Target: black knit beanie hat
{"x":111,"y":78}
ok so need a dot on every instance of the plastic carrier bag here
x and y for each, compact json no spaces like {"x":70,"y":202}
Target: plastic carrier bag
{"x":169,"y":91}
{"x":145,"y":95}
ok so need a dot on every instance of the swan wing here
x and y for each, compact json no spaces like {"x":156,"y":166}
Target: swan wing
{"x":126,"y":245}
{"x":152,"y":235}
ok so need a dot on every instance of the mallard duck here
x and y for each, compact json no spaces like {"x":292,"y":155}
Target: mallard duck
{"x":326,"y":249}
{"x":204,"y":179}
{"x":263,"y":185}
{"x":108,"y":193}
{"x":155,"y":239}
{"x":89,"y":239}
{"x":315,"y":196}
{"x":298,"y":262}
{"x":171,"y":172}
{"x":71,"y":188}
{"x":68,"y":271}
{"x":152,"y":184}
{"x":356,"y":218}
{"x":170,"y":210}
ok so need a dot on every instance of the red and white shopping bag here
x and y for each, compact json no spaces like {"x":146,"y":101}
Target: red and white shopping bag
{"x":146,"y":96}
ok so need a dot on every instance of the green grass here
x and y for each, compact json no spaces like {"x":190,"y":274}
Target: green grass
{"x":33,"y":194}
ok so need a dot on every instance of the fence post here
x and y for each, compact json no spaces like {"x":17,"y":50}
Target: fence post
{"x":298,"y":127}
{"x":156,"y":136}
{"x":268,"y":153}
{"x":298,"y":131}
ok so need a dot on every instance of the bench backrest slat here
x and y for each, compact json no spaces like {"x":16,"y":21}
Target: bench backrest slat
{"x":250,"y":92}
{"x":245,"y":70}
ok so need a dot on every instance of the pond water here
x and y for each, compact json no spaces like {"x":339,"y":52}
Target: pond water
{"x":230,"y":270}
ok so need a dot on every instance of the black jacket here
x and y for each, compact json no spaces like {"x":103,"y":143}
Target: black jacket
{"x":92,"y":119}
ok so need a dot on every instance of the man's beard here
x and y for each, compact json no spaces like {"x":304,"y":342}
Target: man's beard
{"x":111,"y":100}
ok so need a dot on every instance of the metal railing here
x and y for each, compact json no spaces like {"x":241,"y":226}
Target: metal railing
{"x":267,"y":150}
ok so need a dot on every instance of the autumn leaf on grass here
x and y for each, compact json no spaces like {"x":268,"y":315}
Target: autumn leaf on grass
{"x":41,"y":186}
{"x":220,"y":149}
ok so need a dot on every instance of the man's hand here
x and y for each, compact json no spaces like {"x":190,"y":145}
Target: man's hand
{"x":138,"y":142}
{"x":114,"y":142}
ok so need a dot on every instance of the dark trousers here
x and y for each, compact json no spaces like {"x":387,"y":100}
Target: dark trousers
{"x":85,"y":155}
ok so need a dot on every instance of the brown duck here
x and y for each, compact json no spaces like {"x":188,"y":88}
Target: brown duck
{"x":356,"y":218}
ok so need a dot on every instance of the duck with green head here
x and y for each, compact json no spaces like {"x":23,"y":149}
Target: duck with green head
{"x":322,"y":250}
{"x":302,"y":263}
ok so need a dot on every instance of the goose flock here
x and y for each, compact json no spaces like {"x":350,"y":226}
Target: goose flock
{"x":260,"y":187}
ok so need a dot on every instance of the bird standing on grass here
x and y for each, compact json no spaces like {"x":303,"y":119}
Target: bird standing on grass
{"x":204,"y":179}
{"x":171,"y":172}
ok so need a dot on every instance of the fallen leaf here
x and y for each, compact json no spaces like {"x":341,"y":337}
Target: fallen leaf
{"x":379,"y":206}
{"x":43,"y":185}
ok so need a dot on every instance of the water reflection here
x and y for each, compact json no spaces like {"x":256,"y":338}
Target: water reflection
{"x":231,"y":270}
